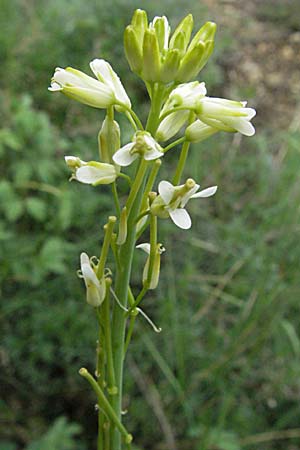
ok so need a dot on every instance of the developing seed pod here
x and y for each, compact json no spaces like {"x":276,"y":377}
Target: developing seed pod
{"x":108,"y":139}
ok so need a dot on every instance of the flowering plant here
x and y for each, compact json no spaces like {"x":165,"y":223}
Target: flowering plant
{"x":168,"y":65}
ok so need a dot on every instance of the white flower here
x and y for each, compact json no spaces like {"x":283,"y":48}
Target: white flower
{"x":226,"y":115}
{"x":91,"y":172}
{"x":156,"y":265}
{"x":172,"y":200}
{"x":95,"y":289}
{"x":104,"y":72}
{"x":143,"y":145}
{"x":186,"y":95}
{"x":85,"y":89}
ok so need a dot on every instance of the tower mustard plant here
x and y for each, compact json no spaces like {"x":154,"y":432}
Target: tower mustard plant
{"x":180,"y":113}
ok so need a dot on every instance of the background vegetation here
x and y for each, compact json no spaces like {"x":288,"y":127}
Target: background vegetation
{"x":224,"y":373}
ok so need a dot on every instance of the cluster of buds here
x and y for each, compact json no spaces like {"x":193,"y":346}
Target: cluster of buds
{"x":156,"y":56}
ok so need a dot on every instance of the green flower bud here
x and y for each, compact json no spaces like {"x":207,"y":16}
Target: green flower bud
{"x":180,"y":42}
{"x":162,"y":30}
{"x":151,"y":56}
{"x":206,"y":33}
{"x":190,"y":63}
{"x":139,"y":23}
{"x":184,"y":28}
{"x":108,"y":139}
{"x":170,"y":66}
{"x":133,"y":50}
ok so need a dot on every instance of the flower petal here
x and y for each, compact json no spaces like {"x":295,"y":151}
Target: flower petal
{"x":166,"y":191}
{"x":152,"y":154}
{"x":123,"y":157}
{"x":241,"y":125}
{"x":208,"y":192}
{"x":96,"y":175}
{"x":89,"y":275}
{"x":145,"y":247}
{"x":181,"y":218}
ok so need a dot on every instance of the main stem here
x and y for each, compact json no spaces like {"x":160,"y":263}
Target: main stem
{"x":124,"y":271}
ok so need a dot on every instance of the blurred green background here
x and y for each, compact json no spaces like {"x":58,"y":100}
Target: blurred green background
{"x":224,"y":372}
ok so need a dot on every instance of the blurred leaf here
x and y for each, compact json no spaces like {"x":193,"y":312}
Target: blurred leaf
{"x":61,"y":436}
{"x":36,"y":208}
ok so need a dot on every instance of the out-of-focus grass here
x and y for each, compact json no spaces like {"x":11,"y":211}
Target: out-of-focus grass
{"x":225,"y":368}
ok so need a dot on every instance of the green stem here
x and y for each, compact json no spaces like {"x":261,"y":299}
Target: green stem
{"x":173,"y":144}
{"x":121,"y":290}
{"x":136,"y":186}
{"x":138,"y":300}
{"x":156,"y":103}
{"x":137,"y":123}
{"x":108,"y":346}
{"x":104,"y":403}
{"x":153,"y":246}
{"x":105,"y":247}
{"x":116,"y":198}
{"x":133,"y":316}
{"x":181,"y":163}
{"x":150,"y":182}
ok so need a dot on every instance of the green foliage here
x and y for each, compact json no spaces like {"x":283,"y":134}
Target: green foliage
{"x":60,"y":436}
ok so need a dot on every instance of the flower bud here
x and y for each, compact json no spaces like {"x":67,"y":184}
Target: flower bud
{"x":184,"y":29}
{"x":170,"y":66}
{"x":206,"y":33}
{"x":162,"y":30}
{"x":139,"y":23}
{"x":151,"y":56}
{"x":191,"y":61}
{"x":133,"y":50}
{"x":108,"y":139}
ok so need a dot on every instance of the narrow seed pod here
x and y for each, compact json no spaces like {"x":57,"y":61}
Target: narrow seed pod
{"x":151,"y":56}
{"x":122,"y":235}
{"x":133,"y":50}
